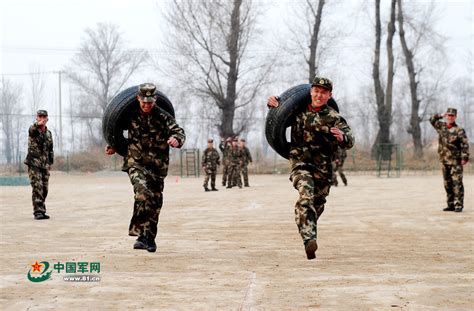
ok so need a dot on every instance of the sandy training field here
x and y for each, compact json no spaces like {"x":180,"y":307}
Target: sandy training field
{"x":384,"y":244}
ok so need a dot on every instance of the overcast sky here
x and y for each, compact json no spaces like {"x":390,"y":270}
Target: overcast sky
{"x":46,"y":33}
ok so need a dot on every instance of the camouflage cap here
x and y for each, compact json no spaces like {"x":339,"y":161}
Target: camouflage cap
{"x":323,"y":82}
{"x":235,"y":139}
{"x":452,"y":111}
{"x":210,"y":140}
{"x":147,"y":92}
{"x":242,"y":139}
{"x":41,"y":112}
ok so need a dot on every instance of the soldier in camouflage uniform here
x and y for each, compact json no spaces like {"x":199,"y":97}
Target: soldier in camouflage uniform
{"x":151,"y":131}
{"x":453,"y":153}
{"x":235,"y":163}
{"x":225,"y":146}
{"x":39,"y":160}
{"x":338,"y":164}
{"x":210,"y":161}
{"x":246,"y":159}
{"x":315,"y":135}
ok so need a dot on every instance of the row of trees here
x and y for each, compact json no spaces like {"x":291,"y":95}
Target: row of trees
{"x":220,"y":56}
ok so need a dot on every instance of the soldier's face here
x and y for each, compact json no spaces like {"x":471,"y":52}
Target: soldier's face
{"x":146,"y":107}
{"x":42,"y":119}
{"x":210,"y":145}
{"x":450,"y":118}
{"x":319,"y":96}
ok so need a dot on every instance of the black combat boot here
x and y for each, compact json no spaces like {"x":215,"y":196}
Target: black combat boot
{"x":151,"y":246}
{"x":310,"y":248}
{"x":214,"y":189}
{"x":141,"y":243}
{"x":206,"y":189}
{"x":40,"y":216}
{"x":448,"y":209}
{"x":458,"y":210}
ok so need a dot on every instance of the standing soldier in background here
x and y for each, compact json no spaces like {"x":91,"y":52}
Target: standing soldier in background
{"x":210,"y":161}
{"x":341,"y":155}
{"x":246,"y":159}
{"x":39,"y":160}
{"x":235,"y":163}
{"x":453,"y":150}
{"x":151,"y":132}
{"x":225,"y":146}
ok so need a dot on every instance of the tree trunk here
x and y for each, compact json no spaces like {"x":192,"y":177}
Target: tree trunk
{"x":414,"y":129}
{"x":379,"y":93}
{"x":228,"y":111}
{"x":383,"y":101}
{"x":313,"y":47}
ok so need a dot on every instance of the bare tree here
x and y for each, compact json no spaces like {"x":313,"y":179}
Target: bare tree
{"x":308,"y":42}
{"x":101,"y":68}
{"x":37,"y":87}
{"x":383,"y":98}
{"x":422,"y":34}
{"x":9,"y":106}
{"x":209,"y":41}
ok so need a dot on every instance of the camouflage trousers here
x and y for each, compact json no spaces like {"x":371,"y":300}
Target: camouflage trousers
{"x":234,"y":178}
{"x":210,"y":174}
{"x":148,"y":190}
{"x":339,"y":169}
{"x":39,"y":179}
{"x":313,"y":191}
{"x":225,"y":174}
{"x":453,"y":185}
{"x":245,"y":175}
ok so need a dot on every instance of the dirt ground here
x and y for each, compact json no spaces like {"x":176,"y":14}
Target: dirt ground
{"x":384,"y":244}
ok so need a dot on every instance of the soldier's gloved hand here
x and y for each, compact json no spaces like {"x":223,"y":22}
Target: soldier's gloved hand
{"x":173,"y":142}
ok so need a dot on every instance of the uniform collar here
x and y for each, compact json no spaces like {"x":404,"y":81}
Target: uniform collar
{"x":317,"y":109}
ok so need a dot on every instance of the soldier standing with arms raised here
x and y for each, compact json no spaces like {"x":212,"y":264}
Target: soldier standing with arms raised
{"x":210,"y":161}
{"x":151,"y":132}
{"x":315,"y":135}
{"x":39,"y":160}
{"x":453,"y":150}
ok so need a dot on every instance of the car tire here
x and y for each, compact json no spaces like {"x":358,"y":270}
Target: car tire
{"x":114,"y":120}
{"x":280,"y":118}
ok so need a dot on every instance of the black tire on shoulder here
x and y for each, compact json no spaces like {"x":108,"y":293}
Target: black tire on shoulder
{"x":116,"y":114}
{"x":280,"y":118}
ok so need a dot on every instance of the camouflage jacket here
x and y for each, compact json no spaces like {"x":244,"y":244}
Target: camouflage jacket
{"x":246,"y":156}
{"x":225,"y":148}
{"x":40,"y":147}
{"x":147,"y":140}
{"x":235,"y":156}
{"x":210,"y":158}
{"x":313,"y":146}
{"x":453,"y":145}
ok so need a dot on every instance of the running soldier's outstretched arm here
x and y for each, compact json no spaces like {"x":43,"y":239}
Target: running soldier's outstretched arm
{"x":176,"y":131}
{"x":349,"y":140}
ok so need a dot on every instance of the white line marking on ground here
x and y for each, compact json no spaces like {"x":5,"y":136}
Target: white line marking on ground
{"x":249,"y":300}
